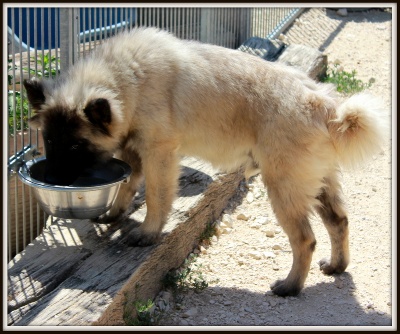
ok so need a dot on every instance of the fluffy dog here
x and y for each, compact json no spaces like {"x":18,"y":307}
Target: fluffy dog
{"x":147,"y":97}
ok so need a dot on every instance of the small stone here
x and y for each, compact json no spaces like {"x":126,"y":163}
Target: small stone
{"x":255,"y":255}
{"x":227,"y":230}
{"x":214,"y":239}
{"x":339,"y":284}
{"x":166,"y":296}
{"x":342,"y":12}
{"x":255,"y":225}
{"x":227,"y":221}
{"x":269,"y":255}
{"x":270,"y":234}
{"x":273,"y":303}
{"x":227,"y":303}
{"x":262,"y":220}
{"x":249,"y":197}
{"x":203,"y":250}
{"x":189,"y":313}
{"x":275,"y":267}
{"x":257,"y":193}
{"x":242,"y":216}
{"x":276,"y":247}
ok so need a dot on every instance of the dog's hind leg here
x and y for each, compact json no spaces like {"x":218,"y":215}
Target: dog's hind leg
{"x":291,"y":208}
{"x":335,"y":220}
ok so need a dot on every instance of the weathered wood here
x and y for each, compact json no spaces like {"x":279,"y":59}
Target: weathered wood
{"x":81,"y":273}
{"x":308,"y":59}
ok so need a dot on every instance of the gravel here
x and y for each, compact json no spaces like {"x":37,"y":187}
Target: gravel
{"x":250,"y":250}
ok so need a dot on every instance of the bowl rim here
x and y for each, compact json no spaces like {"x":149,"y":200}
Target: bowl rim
{"x":23,"y":173}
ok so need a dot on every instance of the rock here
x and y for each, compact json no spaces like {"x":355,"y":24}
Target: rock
{"x":250,"y":197}
{"x":269,"y":233}
{"x":255,"y":225}
{"x":276,"y":247}
{"x":273,"y":303}
{"x":227,"y":303}
{"x":227,"y":230}
{"x":203,"y":250}
{"x":189,"y":313}
{"x":227,"y":221}
{"x":242,"y":216}
{"x":261,"y":220}
{"x":339,"y":284}
{"x":255,"y":255}
{"x":257,"y":193}
{"x":342,"y":12}
{"x":269,"y":255}
{"x":166,"y":296}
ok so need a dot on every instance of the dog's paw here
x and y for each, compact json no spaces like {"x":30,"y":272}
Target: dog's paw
{"x":138,"y":238}
{"x":328,"y":269}
{"x":283,"y":289}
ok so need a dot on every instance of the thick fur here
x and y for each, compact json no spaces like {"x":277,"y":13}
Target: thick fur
{"x":148,"y":98}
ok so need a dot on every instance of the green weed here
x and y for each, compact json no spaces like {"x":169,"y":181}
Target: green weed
{"x":346,"y":82}
{"x":188,"y":277}
{"x":208,"y":233}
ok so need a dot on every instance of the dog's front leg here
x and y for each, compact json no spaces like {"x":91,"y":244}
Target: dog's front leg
{"x":126,"y":191}
{"x":161,"y":170}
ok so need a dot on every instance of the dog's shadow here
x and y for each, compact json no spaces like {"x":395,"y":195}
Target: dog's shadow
{"x":192,"y":182}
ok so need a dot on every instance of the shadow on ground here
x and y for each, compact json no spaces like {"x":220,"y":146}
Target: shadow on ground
{"x":323,"y":304}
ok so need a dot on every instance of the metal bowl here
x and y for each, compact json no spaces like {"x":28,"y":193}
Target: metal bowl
{"x":90,"y":196}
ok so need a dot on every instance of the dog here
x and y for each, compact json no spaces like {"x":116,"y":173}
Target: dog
{"x":147,"y":97}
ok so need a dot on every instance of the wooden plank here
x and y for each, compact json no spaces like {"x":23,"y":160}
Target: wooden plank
{"x":80,"y":273}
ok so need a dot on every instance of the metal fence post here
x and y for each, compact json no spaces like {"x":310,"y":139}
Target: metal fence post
{"x":68,"y":34}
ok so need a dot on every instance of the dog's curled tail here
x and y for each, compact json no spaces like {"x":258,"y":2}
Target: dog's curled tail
{"x":359,"y":130}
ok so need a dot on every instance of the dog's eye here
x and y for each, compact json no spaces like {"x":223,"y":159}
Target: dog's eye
{"x":74,"y":147}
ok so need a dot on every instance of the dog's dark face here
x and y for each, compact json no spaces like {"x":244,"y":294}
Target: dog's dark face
{"x":68,"y":152}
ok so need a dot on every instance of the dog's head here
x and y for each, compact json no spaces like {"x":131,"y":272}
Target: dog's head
{"x":73,"y":134}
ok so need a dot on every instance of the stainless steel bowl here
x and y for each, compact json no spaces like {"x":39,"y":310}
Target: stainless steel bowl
{"x":90,"y":196}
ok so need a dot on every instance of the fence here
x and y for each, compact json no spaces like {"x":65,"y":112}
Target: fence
{"x":43,"y":42}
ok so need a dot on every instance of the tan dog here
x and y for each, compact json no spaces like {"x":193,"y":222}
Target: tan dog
{"x":148,"y":98}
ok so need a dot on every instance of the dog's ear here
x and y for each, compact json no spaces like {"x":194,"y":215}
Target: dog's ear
{"x":35,"y":91}
{"x":98,"y":112}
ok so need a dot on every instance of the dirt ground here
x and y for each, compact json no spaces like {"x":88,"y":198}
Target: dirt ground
{"x":241,"y":264}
